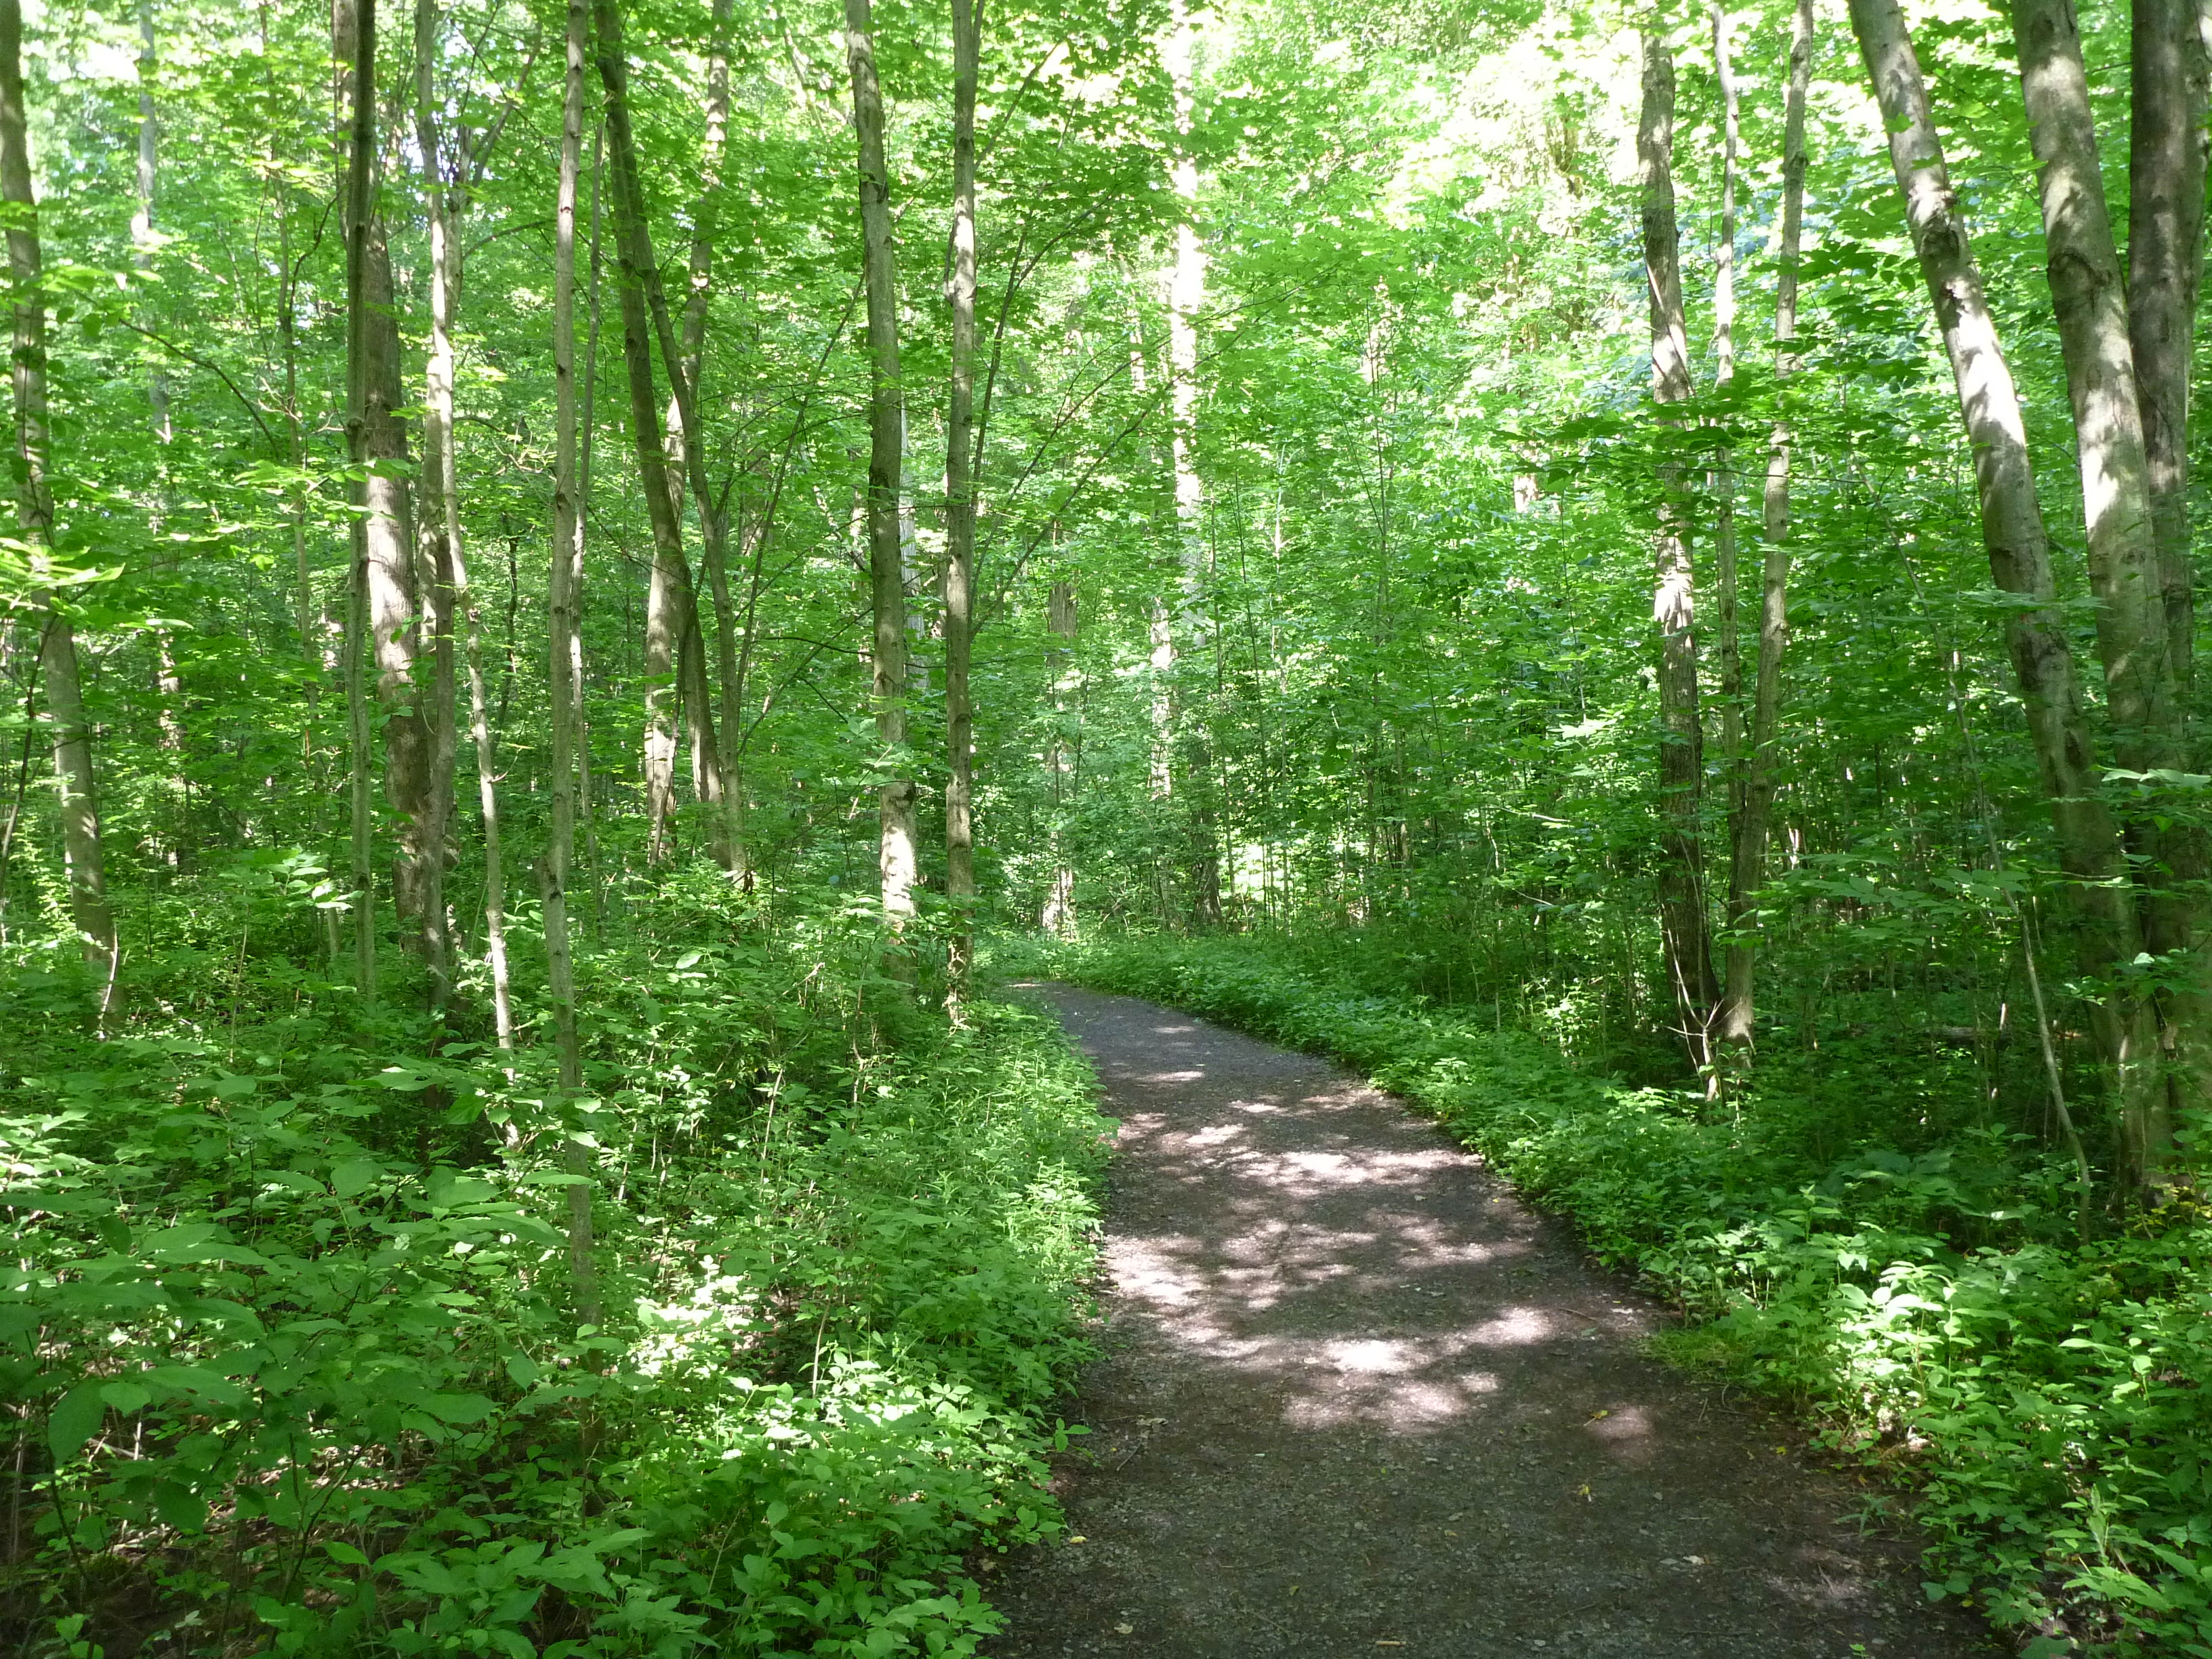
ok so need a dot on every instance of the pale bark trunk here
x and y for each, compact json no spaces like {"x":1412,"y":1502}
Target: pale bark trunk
{"x":2135,"y":601}
{"x":2013,"y":530}
{"x":57,"y":659}
{"x":436,"y":577}
{"x":565,"y":567}
{"x":168,"y":682}
{"x":669,"y":598}
{"x":1729,"y":645}
{"x":960,"y":501}
{"x":896,"y":859}
{"x":2165,"y":257}
{"x":1057,"y":916}
{"x":387,"y":562}
{"x":1748,"y":861}
{"x":1186,"y":296}
{"x":1682,"y":876}
{"x":443,"y":474}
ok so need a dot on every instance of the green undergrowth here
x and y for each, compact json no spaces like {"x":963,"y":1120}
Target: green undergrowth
{"x":2047,"y":1397}
{"x":290,"y":1348}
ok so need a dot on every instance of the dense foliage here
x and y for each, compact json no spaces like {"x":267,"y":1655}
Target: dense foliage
{"x":526,"y":519}
{"x":288,"y":1329}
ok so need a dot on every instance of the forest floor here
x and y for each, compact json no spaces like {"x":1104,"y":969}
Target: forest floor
{"x":1355,"y":1399}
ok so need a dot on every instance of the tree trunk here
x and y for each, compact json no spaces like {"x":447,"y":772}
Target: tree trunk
{"x":390,"y":571}
{"x":2089,"y":846}
{"x":2165,"y":257}
{"x":668,"y":600}
{"x":713,"y":517}
{"x":960,"y":502}
{"x":886,"y":421}
{"x":77,"y":799}
{"x":353,"y":40}
{"x":2149,"y":723}
{"x":1682,"y":878}
{"x":443,"y":475}
{"x":561,"y":630}
{"x":1057,"y":916}
{"x":1748,"y":861}
{"x":1186,"y":296}
{"x":1729,"y":644}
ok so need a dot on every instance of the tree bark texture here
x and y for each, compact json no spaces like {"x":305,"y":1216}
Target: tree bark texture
{"x":896,"y":862}
{"x":1682,"y":878}
{"x":668,"y":612}
{"x":960,"y":498}
{"x":76,"y":798}
{"x":1747,"y":851}
{"x":2165,"y":257}
{"x":2019,"y":548}
{"x":564,"y":570}
{"x":1728,"y":640}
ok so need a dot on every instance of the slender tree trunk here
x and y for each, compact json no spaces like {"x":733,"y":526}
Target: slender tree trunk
{"x":353,"y":50}
{"x":1729,"y":644}
{"x":896,"y":861}
{"x":1748,"y":864}
{"x":168,"y":682}
{"x":561,"y":630}
{"x":1185,"y":297}
{"x":1682,"y":879}
{"x":390,"y":570}
{"x":2165,"y":257}
{"x":669,"y":598}
{"x":442,"y":469}
{"x":78,"y":800}
{"x":1057,"y":916}
{"x":2149,"y":723}
{"x":595,"y":886}
{"x":713,"y":518}
{"x":960,"y":501}
{"x":2089,"y":845}
{"x":436,"y":524}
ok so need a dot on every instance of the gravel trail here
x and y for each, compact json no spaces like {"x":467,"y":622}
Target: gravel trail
{"x":1356,"y":1399}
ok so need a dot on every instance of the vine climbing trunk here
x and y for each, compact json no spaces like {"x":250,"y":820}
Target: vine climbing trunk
{"x":960,"y":500}
{"x":76,"y":796}
{"x":896,"y":864}
{"x":2018,"y":547}
{"x":1748,"y":848}
{"x":1683,"y":929}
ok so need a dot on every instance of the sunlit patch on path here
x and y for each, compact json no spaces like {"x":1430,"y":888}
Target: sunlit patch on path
{"x":1356,"y":1399}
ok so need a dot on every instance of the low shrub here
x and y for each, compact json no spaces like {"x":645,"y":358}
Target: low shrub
{"x":291,"y":1347}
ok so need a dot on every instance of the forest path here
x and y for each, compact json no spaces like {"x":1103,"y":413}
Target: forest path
{"x":1356,"y":1399}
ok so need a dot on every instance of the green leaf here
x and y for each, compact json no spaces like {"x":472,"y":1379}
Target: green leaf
{"x":75,"y":1419}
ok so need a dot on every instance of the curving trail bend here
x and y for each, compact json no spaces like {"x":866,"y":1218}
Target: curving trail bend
{"x":1356,"y":1399}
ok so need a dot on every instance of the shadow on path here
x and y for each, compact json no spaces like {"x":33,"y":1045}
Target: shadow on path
{"x":1356,"y":1399}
